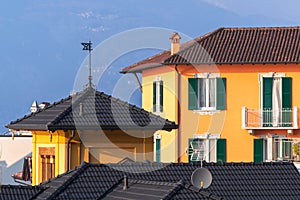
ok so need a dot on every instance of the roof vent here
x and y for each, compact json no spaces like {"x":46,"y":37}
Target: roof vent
{"x":80,"y":109}
{"x":34,"y":107}
{"x":175,"y":43}
{"x":125,"y":186}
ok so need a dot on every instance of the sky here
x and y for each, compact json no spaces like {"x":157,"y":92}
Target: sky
{"x":41,"y":55}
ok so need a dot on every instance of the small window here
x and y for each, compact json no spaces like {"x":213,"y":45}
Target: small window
{"x":207,"y":93}
{"x":158,"y":96}
{"x":210,"y":150}
{"x":47,"y":160}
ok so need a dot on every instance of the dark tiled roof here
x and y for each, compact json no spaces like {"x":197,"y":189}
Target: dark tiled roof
{"x":17,"y":192}
{"x":234,"y":46}
{"x":91,"y":109}
{"x":141,"y":189}
{"x":230,"y":180}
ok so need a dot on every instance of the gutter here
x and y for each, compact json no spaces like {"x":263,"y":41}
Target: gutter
{"x":68,"y":150}
{"x":178,"y":113}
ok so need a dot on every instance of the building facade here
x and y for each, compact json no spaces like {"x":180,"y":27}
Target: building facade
{"x":234,"y":93}
{"x":88,"y":126}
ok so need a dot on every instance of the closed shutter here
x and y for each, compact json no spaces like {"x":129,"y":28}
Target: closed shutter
{"x":267,"y":102}
{"x":221,"y":93}
{"x":221,"y":150}
{"x":287,"y":101}
{"x":193,"y":94}
{"x":154,"y":96}
{"x":161,"y":94}
{"x":258,"y":150}
{"x":157,"y":150}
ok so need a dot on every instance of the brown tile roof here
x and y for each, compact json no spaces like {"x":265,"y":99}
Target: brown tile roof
{"x":235,"y":46}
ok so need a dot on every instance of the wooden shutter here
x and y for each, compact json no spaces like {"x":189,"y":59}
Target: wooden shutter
{"x":161,"y":94}
{"x":193,"y":94}
{"x":258,"y":150}
{"x":221,"y":93}
{"x":287,"y":102}
{"x":287,"y":92}
{"x":157,"y":150}
{"x":154,"y":96}
{"x":221,"y":150}
{"x":267,"y":102}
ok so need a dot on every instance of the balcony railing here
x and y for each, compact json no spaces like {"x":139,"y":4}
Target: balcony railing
{"x":270,"y":119}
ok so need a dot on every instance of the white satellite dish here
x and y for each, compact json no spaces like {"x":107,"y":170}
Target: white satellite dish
{"x":201,"y":178}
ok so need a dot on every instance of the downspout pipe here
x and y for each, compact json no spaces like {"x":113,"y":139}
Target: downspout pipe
{"x":68,"y":150}
{"x":178,"y":113}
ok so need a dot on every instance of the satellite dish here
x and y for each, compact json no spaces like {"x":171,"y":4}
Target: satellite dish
{"x":201,"y":178}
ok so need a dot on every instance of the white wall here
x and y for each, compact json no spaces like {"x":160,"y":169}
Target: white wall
{"x":12,"y":153}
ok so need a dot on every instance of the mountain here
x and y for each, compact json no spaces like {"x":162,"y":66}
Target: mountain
{"x":41,"y":52}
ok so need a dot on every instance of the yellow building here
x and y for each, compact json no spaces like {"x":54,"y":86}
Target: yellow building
{"x":234,"y":93}
{"x":88,"y":126}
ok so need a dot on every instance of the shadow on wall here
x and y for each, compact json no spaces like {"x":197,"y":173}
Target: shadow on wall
{"x":7,"y":172}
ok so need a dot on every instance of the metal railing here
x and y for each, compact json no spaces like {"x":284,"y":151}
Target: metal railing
{"x":264,"y":118}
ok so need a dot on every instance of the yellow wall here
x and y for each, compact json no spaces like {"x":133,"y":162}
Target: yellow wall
{"x":43,"y":139}
{"x":168,"y":139}
{"x":91,"y":146}
{"x":242,"y":89}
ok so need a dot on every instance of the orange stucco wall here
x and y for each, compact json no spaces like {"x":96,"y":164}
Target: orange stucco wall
{"x":243,"y":90}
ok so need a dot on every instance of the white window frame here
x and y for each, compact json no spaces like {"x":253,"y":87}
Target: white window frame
{"x":269,"y":147}
{"x":207,"y":137}
{"x":207,"y":76}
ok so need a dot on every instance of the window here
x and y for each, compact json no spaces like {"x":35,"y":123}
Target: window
{"x":276,"y":101}
{"x":47,"y":160}
{"x":158,"y":95}
{"x":207,"y":93}
{"x":157,"y":150}
{"x":272,"y":149}
{"x":210,"y":150}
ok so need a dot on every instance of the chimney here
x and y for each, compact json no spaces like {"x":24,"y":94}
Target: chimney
{"x":175,"y":43}
{"x":80,"y":109}
{"x":125,"y":186}
{"x":44,"y":105}
{"x":34,"y":107}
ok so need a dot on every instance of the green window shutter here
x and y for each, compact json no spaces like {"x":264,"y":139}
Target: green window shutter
{"x":221,"y":150}
{"x":258,"y":150}
{"x":161,"y":94}
{"x":154,"y":96}
{"x":267,"y":93}
{"x":287,"y":101}
{"x":157,"y":150}
{"x":221,"y":93}
{"x":193,"y":144}
{"x":286,"y":92}
{"x":193,"y":94}
{"x":267,"y":101}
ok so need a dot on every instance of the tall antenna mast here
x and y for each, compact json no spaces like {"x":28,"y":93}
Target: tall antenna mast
{"x":88,"y":47}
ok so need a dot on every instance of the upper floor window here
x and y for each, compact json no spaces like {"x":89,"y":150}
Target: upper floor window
{"x":207,"y":92}
{"x":276,"y":100}
{"x":158,"y":95}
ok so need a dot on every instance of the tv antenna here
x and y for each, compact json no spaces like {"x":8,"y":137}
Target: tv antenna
{"x":87,"y":46}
